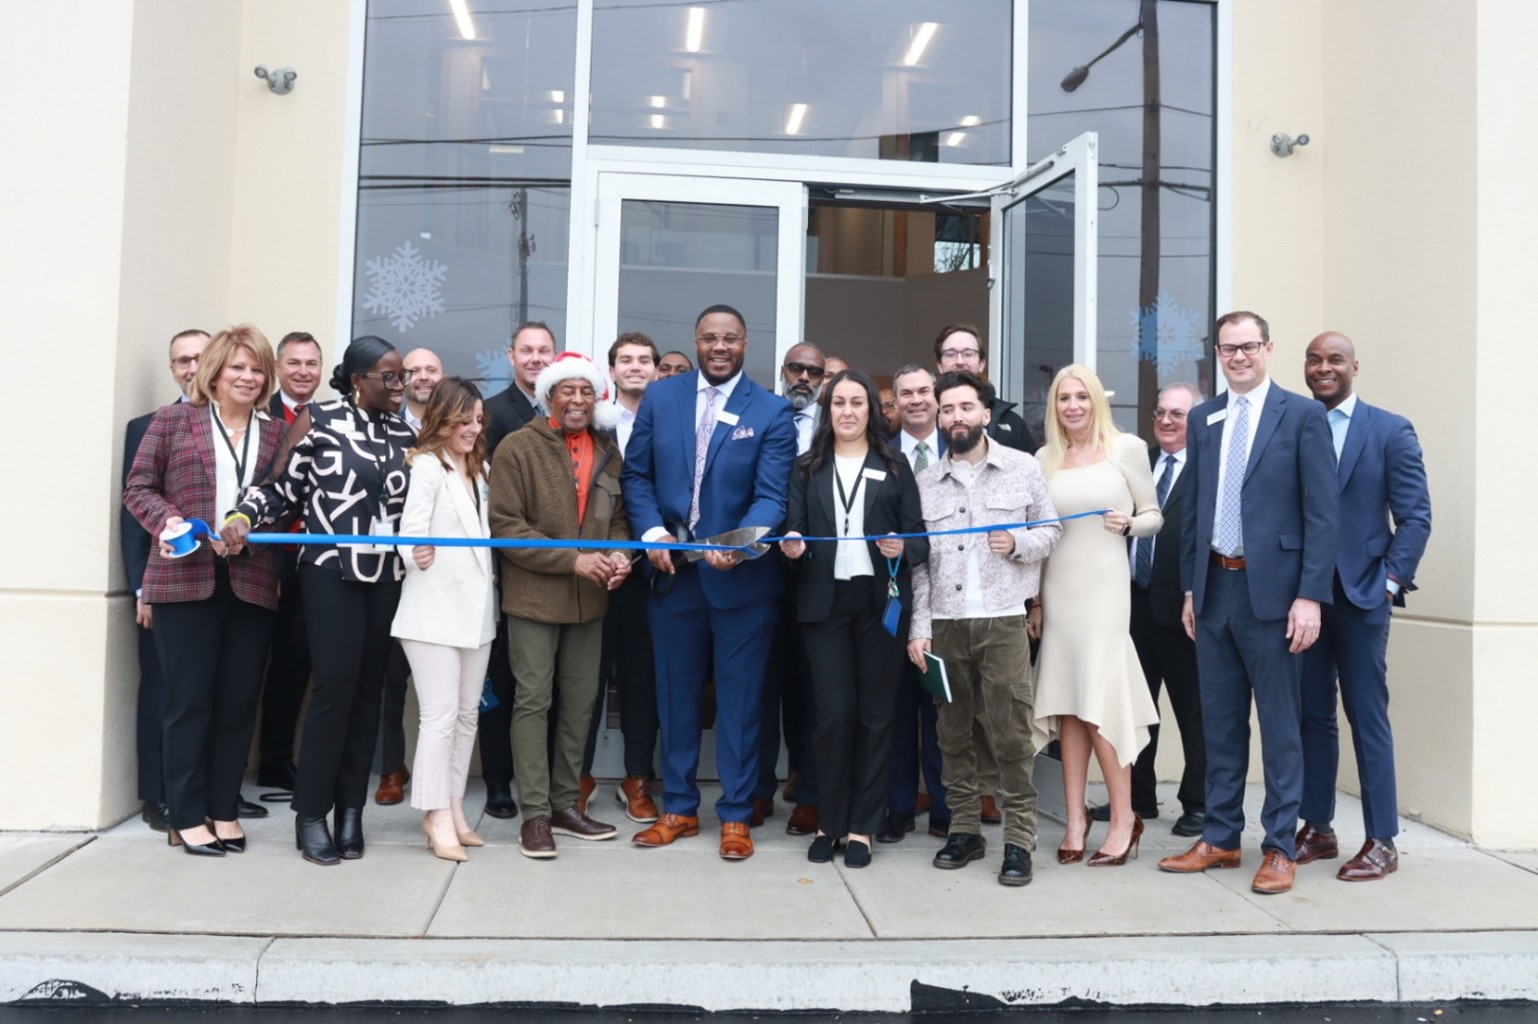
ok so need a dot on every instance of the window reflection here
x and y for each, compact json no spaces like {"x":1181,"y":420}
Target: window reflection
{"x":919,"y":80}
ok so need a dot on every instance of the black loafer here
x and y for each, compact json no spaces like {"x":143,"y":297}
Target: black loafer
{"x":348,"y":826}
{"x":499,"y":801}
{"x":313,"y":840}
{"x":156,"y":815}
{"x":1190,"y":824}
{"x":821,"y":850}
{"x":856,"y":855}
{"x":1017,"y":866}
{"x":895,"y":828}
{"x":247,"y":809}
{"x":960,"y":850}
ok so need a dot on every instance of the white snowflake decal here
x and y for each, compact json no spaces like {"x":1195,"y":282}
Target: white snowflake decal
{"x":1168,"y":334}
{"x":405,"y":286}
{"x":492,"y":367}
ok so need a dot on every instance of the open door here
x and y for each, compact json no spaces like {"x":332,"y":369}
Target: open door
{"x":1042,"y":275}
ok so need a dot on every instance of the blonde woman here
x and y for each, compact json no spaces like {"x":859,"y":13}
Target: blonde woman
{"x":1090,"y":691}
{"x":447,"y":614}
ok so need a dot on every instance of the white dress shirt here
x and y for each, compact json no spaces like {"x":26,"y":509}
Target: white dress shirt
{"x":1257,"y":400}
{"x":852,"y":557}
{"x":910,"y":446}
{"x":806,"y":427}
{"x":623,"y":428}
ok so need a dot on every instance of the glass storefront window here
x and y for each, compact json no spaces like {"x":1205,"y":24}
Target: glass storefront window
{"x":919,"y":80}
{"x":1155,"y":272}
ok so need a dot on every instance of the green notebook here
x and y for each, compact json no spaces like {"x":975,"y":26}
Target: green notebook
{"x":935,"y":679}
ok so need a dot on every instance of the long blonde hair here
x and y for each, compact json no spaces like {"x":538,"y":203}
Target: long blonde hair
{"x":1101,"y":426}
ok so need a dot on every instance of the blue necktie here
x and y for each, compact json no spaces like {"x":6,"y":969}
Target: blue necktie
{"x":1339,"y":424}
{"x":1230,"y":529}
{"x":1143,"y":562}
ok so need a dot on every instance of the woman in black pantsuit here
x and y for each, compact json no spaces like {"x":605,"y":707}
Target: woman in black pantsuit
{"x":852,"y":483}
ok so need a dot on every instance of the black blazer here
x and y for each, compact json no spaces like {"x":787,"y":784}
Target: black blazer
{"x":133,"y":539}
{"x":1166,"y":599}
{"x":891,"y":506}
{"x":505,"y":412}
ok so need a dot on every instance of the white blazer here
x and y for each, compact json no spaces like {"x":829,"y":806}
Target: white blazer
{"x":454,"y":602}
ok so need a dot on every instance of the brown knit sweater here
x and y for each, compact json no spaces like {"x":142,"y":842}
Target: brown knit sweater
{"x":533,"y":496}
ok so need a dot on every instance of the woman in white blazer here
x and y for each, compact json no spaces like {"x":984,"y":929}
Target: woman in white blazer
{"x":447,"y":613}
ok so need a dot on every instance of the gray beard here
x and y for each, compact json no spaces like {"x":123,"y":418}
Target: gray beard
{"x":799,"y":399}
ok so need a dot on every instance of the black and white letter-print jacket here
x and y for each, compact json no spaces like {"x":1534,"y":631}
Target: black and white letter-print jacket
{"x":342,"y":474}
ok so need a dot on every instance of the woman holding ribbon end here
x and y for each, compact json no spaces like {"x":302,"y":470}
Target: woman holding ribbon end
{"x":447,"y":615}
{"x":853,"y":598}
{"x":1090,"y":690}
{"x":213,"y":606}
{"x":345,"y":473}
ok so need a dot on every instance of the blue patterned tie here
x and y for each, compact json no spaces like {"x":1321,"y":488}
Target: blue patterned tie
{"x":1143,"y":564}
{"x":1230,"y":529}
{"x":702,"y":434}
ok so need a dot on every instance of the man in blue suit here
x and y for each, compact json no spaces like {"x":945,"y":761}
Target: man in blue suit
{"x":1258,"y":549}
{"x":711,"y":451}
{"x":1380,"y":473}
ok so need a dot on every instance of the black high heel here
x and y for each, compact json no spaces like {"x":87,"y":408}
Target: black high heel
{"x":213,"y":849}
{"x":348,"y":826}
{"x":313,"y":840}
{"x":236,"y":845}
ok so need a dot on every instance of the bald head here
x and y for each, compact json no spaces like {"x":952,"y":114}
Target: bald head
{"x":426,"y":371}
{"x":1329,"y":368}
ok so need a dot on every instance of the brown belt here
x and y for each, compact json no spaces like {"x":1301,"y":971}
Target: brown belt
{"x":1224,"y":562}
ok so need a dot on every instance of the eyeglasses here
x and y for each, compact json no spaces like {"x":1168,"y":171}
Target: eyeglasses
{"x":711,"y":339}
{"x":889,"y":404}
{"x":1249,"y":348}
{"x":797,"y":369}
{"x":1173,"y":415}
{"x":182,"y":362}
{"x":960,"y":353}
{"x":390,"y":380}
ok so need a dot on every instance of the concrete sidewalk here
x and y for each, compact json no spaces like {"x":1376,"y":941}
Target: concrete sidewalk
{"x":119,"y":916}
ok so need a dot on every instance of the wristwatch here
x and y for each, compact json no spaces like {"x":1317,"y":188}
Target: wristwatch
{"x":1126,"y":528}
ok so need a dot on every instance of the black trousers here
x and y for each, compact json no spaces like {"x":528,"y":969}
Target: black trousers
{"x":150,"y":723}
{"x":628,"y":660}
{"x":495,"y":728}
{"x":211,"y":652}
{"x":1168,"y":656}
{"x":349,"y":629}
{"x":288,"y":675}
{"x":854,"y":678}
{"x":392,"y":714}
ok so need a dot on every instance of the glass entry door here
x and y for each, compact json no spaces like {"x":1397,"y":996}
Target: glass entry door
{"x":1042,"y":275}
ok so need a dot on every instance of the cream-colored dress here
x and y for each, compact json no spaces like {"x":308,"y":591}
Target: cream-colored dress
{"x":1087,"y":665}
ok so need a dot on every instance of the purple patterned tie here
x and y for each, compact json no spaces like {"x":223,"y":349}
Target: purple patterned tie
{"x":701,"y":447}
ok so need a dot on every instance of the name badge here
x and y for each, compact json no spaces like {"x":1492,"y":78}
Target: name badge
{"x":1217,"y":417}
{"x":381,"y":528}
{"x":877,"y":475}
{"x":729,"y":418}
{"x":341,"y":426}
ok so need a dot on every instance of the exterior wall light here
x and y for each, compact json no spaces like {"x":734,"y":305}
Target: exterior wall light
{"x":280,"y":81}
{"x":1283,"y":145}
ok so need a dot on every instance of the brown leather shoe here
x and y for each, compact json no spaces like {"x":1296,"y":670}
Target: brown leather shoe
{"x":535,"y":840}
{"x":1275,"y":874}
{"x":572,"y":822}
{"x":803,"y":820}
{"x":990,"y":813}
{"x":1373,"y":861}
{"x":789,"y":792}
{"x":921,"y":804}
{"x":666,"y":829}
{"x":762,"y":809}
{"x":635,"y":793}
{"x":1316,"y":845}
{"x":736,"y":844}
{"x":392,"y":787}
{"x":1201,"y":856}
{"x":585,"y":787}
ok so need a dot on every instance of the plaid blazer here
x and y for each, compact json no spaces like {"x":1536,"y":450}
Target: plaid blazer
{"x":173,"y":475}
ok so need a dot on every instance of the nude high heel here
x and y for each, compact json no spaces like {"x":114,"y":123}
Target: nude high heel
{"x":454,"y":853}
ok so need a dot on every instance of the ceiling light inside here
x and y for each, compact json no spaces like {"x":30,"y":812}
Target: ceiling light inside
{"x":694,"y":31}
{"x":794,"y":119}
{"x":658,"y":102}
{"x":462,"y":19}
{"x":954,"y":138}
{"x":921,"y":38}
{"x":656,"y":121}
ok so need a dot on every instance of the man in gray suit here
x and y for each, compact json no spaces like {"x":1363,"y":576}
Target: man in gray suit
{"x":1257,"y":561}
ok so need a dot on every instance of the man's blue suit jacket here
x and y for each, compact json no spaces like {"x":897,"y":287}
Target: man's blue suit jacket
{"x":1290,"y":503}
{"x":1381,"y":473}
{"x":747,"y":475}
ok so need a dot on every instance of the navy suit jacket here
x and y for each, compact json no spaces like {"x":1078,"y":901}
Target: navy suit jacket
{"x":133,"y":539}
{"x":747,"y":475}
{"x":1381,"y":473}
{"x":1290,"y":503}
{"x":1166,"y":599}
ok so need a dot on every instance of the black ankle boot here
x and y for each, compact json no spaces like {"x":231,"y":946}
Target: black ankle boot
{"x":348,"y":824}
{"x":313,"y":840}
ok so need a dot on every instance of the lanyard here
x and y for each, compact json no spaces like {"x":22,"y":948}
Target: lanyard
{"x":242,"y":459}
{"x":847,"y":499}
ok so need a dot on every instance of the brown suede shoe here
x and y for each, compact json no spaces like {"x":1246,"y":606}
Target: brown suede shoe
{"x":1316,"y":845}
{"x":585,"y":787}
{"x":803,"y":820}
{"x":635,"y":793}
{"x":572,"y":822}
{"x":990,"y":813}
{"x":392,"y":787}
{"x":736,"y":844}
{"x":1373,"y":861}
{"x":1201,"y":856}
{"x":1275,"y":874}
{"x":535,"y":840}
{"x":761,"y":809}
{"x":666,"y":829}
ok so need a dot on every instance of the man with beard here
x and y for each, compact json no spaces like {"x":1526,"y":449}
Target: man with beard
{"x":672,"y":364}
{"x":711,"y":452}
{"x":969,"y":606}
{"x":788,"y":683}
{"x":426,"y":371}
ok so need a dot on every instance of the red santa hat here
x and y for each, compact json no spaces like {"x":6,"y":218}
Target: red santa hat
{"x":576,"y":366}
